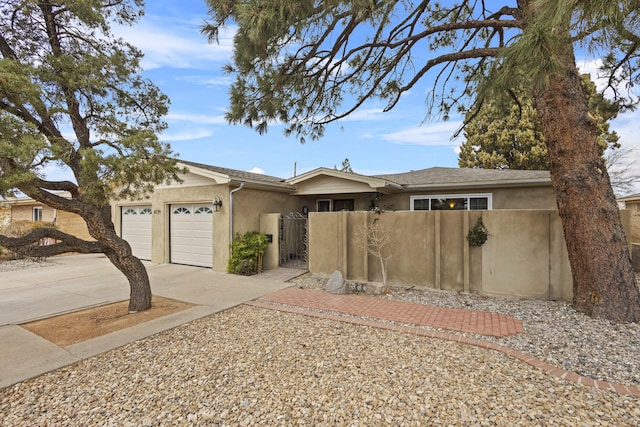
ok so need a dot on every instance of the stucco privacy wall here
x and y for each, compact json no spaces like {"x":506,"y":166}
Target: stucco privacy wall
{"x":270,"y":225}
{"x":525,"y":255}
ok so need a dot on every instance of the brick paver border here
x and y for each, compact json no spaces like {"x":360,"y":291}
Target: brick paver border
{"x":271,"y":303}
{"x":454,"y":319}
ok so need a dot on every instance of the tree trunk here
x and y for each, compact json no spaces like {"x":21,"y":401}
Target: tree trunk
{"x":136,"y":274}
{"x":101,"y":228}
{"x":604,"y":283}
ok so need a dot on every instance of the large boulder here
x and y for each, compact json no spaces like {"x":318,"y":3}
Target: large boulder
{"x":337,"y":285}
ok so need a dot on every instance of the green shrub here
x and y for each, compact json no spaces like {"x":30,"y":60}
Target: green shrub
{"x":246,"y":253}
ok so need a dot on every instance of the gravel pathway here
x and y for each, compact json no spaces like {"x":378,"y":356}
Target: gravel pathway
{"x":250,"y":366}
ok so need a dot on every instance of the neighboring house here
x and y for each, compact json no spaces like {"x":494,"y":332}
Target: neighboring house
{"x":25,"y":208}
{"x":631,"y":203}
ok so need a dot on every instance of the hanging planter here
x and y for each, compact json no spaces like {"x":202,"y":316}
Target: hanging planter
{"x":478,"y":234}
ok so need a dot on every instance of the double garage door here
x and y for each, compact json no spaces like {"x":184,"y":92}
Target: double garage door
{"x":190,"y":233}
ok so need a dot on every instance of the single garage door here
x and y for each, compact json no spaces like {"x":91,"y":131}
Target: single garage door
{"x":191,"y":234}
{"x":136,"y":229}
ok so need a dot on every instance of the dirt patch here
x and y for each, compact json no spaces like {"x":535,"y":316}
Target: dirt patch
{"x":72,"y":328}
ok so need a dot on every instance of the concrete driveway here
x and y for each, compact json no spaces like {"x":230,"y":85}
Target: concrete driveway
{"x":81,"y":281}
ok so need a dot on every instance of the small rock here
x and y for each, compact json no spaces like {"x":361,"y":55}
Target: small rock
{"x":337,"y":285}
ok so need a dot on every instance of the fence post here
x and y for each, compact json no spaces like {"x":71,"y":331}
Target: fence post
{"x":343,"y":228}
{"x":438,"y":249}
{"x":365,"y":255}
{"x":465,"y":250}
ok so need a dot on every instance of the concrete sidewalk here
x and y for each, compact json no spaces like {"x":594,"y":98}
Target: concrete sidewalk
{"x":81,"y":281}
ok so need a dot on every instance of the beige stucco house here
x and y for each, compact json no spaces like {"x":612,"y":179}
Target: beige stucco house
{"x":193,"y":221}
{"x":427,"y":189}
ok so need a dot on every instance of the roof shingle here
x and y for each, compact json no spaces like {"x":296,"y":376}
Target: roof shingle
{"x":440,"y":175}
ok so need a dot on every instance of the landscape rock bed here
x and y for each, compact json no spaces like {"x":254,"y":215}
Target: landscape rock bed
{"x":555,"y":332}
{"x":251,"y":366}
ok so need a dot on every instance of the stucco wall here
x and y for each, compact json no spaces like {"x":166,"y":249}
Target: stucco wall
{"x":634,"y":209}
{"x":66,"y":222}
{"x":525,"y":255}
{"x":25,"y":213}
{"x":72,"y":224}
{"x":503,"y":198}
{"x":270,"y":225}
{"x":5,"y":216}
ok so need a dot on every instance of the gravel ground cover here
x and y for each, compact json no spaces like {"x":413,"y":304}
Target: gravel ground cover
{"x":555,"y":332}
{"x":19,"y":264}
{"x":250,"y":366}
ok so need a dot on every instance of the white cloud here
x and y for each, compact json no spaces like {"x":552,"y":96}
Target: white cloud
{"x":175,"y":43}
{"x":256,"y":169}
{"x":367,"y":115}
{"x":207,"y":80}
{"x":56,"y":172}
{"x":601,"y":80}
{"x":196,"y":118}
{"x":437,"y":134}
{"x":186,"y":136}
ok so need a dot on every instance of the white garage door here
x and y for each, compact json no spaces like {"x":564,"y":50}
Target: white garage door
{"x":192,"y":235}
{"x":136,"y":229}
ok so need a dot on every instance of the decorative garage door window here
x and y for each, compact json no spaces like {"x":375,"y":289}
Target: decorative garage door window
{"x":204,"y":210}
{"x":136,"y":211}
{"x":181,"y":211}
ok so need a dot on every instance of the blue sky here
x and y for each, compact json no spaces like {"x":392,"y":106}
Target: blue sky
{"x":188,"y":69}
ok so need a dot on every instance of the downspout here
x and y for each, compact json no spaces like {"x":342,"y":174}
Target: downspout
{"x":231,"y":213}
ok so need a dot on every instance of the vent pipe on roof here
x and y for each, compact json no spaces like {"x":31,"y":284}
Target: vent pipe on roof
{"x":231,"y":213}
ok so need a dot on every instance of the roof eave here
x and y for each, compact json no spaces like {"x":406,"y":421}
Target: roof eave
{"x":287,"y":188}
{"x":376,"y":184}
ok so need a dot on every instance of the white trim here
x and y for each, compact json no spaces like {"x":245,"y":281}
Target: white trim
{"x":33,"y":213}
{"x":489,"y":197}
